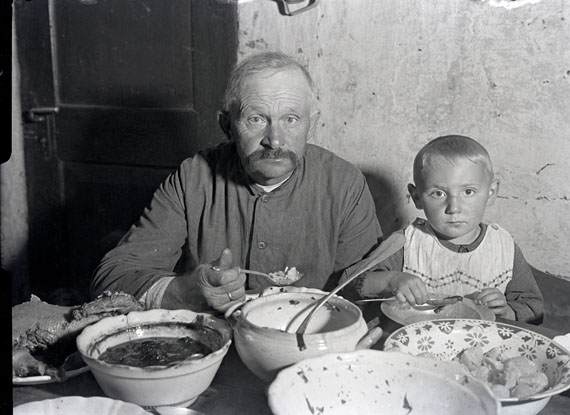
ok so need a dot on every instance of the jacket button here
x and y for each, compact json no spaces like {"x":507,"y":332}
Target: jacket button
{"x":265,"y":198}
{"x":262,"y":245}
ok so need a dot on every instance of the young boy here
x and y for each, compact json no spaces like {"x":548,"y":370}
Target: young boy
{"x":452,"y":252}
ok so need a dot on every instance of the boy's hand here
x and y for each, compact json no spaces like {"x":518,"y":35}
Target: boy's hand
{"x":408,"y":288}
{"x":493,"y":299}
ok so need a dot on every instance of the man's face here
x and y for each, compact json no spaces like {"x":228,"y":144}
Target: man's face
{"x":273,"y":124}
{"x":453,"y":196}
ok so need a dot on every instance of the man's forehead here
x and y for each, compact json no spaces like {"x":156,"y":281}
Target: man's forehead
{"x":267,"y":76}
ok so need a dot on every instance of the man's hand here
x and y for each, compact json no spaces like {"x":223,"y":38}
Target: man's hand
{"x":206,"y":288}
{"x":492,"y":298}
{"x":221,"y":285}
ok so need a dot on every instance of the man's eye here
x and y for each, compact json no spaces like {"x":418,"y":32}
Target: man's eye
{"x":255,"y":119}
{"x":291,"y":120}
{"x":470,"y":192}
{"x":438,"y":194}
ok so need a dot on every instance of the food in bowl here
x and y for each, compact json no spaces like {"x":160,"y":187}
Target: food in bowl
{"x":176,"y":381}
{"x":154,"y":351}
{"x":445,"y":339}
{"x":375,"y":382}
{"x":508,"y":374}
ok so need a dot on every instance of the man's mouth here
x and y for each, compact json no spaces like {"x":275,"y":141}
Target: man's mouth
{"x":272,"y":154}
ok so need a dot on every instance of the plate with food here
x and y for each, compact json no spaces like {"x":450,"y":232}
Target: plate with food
{"x":43,"y":336}
{"x":523,"y":369}
{"x":404,"y":313}
{"x":67,"y":373}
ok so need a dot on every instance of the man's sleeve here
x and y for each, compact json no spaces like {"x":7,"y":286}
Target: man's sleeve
{"x":151,"y":248}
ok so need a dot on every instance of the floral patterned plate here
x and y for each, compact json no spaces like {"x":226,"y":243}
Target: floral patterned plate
{"x":445,"y":338}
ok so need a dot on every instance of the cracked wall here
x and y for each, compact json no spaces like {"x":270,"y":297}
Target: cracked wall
{"x":393,"y":75}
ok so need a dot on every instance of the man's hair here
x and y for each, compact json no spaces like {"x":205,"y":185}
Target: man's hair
{"x":451,"y":148}
{"x":255,"y":64}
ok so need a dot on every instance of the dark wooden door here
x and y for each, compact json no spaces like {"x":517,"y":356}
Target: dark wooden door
{"x":115,"y":93}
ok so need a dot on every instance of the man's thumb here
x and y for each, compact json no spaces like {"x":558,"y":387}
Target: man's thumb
{"x":226,"y":258}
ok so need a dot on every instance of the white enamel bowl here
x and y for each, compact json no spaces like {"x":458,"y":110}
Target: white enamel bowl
{"x":375,"y":382}
{"x":264,"y":330}
{"x":445,"y":338}
{"x":178,"y":384}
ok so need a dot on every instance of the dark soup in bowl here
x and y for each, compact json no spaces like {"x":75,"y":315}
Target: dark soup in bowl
{"x":154,"y":351}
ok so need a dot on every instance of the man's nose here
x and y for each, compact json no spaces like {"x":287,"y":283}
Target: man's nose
{"x":273,"y":136}
{"x":453,"y":205}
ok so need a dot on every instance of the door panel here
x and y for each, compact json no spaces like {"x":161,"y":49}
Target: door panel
{"x":133,"y":136}
{"x":124,"y":53}
{"x":137,"y":85}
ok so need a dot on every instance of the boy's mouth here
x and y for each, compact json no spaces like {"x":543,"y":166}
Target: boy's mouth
{"x":456,"y":222}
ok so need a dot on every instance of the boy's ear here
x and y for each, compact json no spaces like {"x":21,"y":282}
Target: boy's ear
{"x":493,"y":191}
{"x":225,"y":123}
{"x":413,"y":191}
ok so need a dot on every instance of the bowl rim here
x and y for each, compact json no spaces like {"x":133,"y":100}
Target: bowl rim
{"x":548,"y":393}
{"x":93,"y":333}
{"x":256,"y":302}
{"x":372,"y":355}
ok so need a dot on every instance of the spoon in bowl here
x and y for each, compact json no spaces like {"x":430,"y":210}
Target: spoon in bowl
{"x":279,"y":278}
{"x":387,"y":248}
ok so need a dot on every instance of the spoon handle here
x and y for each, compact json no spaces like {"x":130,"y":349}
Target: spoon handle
{"x":249,"y":271}
{"x":374,"y":300}
{"x":390,"y":246}
{"x":246,"y":271}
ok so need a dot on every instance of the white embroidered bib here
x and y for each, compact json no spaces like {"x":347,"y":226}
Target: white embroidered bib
{"x":451,"y":273}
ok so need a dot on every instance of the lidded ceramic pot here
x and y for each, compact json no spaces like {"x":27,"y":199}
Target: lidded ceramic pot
{"x":264,"y":330}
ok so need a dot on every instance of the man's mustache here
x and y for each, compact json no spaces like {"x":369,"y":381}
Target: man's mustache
{"x":269,"y":153}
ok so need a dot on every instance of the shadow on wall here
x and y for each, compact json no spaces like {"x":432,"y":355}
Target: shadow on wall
{"x":387,"y":198}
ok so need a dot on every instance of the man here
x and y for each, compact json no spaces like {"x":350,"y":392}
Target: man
{"x":264,"y":201}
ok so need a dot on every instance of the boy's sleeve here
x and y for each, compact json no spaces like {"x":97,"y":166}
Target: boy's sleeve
{"x":353,"y":291}
{"x":522,"y":292}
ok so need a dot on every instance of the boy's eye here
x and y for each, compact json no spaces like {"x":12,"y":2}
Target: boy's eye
{"x":469,"y":192}
{"x":438,"y":194}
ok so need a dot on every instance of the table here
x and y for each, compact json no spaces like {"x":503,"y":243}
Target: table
{"x":235,"y":390}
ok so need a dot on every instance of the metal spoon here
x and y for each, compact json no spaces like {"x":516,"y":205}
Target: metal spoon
{"x":279,"y":278}
{"x":387,"y":248}
{"x":430,"y":304}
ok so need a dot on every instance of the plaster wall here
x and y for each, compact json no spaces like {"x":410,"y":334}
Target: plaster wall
{"x":392,"y":75}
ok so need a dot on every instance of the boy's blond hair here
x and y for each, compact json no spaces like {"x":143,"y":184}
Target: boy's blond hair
{"x":451,"y":148}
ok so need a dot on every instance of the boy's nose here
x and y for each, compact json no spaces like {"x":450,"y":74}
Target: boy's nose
{"x":453,"y":206}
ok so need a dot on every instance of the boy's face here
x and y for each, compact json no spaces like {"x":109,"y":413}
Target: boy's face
{"x":453,"y":196}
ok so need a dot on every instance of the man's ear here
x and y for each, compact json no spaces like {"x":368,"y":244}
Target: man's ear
{"x":225,"y":123}
{"x":413,"y":191}
{"x":493,"y":192}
